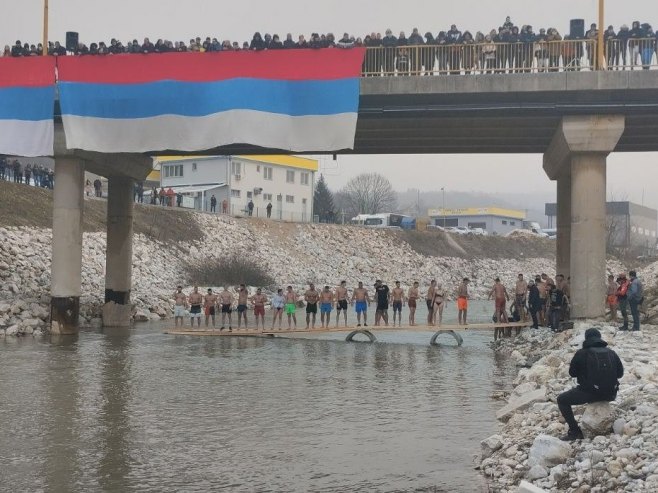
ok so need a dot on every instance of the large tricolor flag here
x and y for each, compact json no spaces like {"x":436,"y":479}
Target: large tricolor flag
{"x":297,"y":100}
{"x":27,"y":99}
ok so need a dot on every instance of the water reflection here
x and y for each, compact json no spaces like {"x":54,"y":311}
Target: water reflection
{"x":140,"y":411}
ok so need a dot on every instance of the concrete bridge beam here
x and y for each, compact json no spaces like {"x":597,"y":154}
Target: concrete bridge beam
{"x":576,"y":158}
{"x":66,"y":285}
{"x":119,"y":255}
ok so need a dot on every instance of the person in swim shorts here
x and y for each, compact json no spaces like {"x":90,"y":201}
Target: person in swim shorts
{"x":180,"y":303}
{"x":311,"y":296}
{"x":291,"y":306}
{"x":226,"y":300}
{"x":326,"y":304}
{"x":412,"y":302}
{"x":462,"y":300}
{"x":278,"y":304}
{"x":209,"y":302}
{"x":429,"y":300}
{"x":360,"y":300}
{"x":259,"y":301}
{"x":341,"y":302}
{"x":397,"y":296}
{"x":382,"y":295}
{"x":438,"y":304}
{"x":195,"y":299}
{"x":243,"y":300}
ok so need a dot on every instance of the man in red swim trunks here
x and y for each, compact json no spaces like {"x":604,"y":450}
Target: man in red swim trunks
{"x":259,"y":301}
{"x":462,"y":301}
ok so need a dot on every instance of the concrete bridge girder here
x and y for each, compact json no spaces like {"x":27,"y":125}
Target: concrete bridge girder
{"x":576,"y":158}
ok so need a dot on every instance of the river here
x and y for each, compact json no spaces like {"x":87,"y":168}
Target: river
{"x":137,"y":410}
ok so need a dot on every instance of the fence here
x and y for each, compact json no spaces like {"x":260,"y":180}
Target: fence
{"x":275,"y":213}
{"x":481,"y":58}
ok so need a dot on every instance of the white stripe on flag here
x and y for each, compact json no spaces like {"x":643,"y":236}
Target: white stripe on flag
{"x":310,"y":133}
{"x":27,"y":138}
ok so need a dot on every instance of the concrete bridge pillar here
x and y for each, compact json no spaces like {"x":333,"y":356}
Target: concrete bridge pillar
{"x":576,"y":158}
{"x":119,"y":256}
{"x":66,"y":285}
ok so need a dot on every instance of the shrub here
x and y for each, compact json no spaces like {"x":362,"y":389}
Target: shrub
{"x":230,"y":270}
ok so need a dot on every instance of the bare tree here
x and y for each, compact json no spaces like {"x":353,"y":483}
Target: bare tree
{"x":369,"y":193}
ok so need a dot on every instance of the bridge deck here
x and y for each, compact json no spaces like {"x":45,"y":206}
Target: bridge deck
{"x":370,"y":328}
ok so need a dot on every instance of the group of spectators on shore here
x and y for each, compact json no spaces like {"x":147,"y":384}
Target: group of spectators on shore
{"x":509,"y":47}
{"x":30,"y":174}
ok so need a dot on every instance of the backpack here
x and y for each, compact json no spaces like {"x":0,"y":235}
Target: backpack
{"x":601,"y":371}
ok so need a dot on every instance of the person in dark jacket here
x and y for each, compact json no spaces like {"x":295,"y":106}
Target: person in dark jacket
{"x":257,"y":42}
{"x":428,"y":54}
{"x":611,"y":47}
{"x":289,"y":43}
{"x":635,"y":298}
{"x":415,"y":53}
{"x":534,"y":301}
{"x":598,"y":387}
{"x":389,"y":42}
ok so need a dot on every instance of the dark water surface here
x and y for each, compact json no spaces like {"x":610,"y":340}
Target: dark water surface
{"x":141,"y":411}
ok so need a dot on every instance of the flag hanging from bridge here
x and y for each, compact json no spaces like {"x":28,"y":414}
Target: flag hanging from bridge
{"x":296,"y":100}
{"x":27,"y":99}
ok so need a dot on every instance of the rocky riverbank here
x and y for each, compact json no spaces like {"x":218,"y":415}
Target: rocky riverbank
{"x":620,"y":451}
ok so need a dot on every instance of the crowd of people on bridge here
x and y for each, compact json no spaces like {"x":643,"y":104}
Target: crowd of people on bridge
{"x":29,"y":174}
{"x":508,"y":47}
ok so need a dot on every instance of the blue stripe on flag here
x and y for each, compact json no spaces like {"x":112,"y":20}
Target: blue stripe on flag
{"x":295,"y":98}
{"x":27,"y":103}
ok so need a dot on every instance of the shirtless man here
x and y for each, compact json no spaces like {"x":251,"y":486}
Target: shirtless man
{"x":259,"y":301}
{"x":326,"y":304}
{"x":291,"y":306}
{"x":226,"y":300}
{"x":209,"y":302}
{"x":462,"y":301}
{"x":499,"y":294}
{"x":438,"y":304}
{"x":180,"y":304}
{"x":429,"y":300}
{"x":195,"y":299}
{"x":278,"y":304}
{"x":611,"y":298}
{"x":360,"y":300}
{"x":341,"y":302}
{"x":243,"y":299}
{"x":311,"y":297}
{"x":412,"y":301}
{"x":397,"y":297}
{"x":520,"y":296}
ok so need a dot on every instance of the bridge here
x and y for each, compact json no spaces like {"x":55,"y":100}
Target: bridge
{"x":574,"y":118}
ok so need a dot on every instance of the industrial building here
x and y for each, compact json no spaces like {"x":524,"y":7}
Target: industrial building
{"x":286,"y":182}
{"x":628,"y":226}
{"x":494,"y":220}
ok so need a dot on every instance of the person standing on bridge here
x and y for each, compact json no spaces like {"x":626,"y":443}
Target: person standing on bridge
{"x":278,"y":304}
{"x":180,"y":304}
{"x":360,"y":299}
{"x":412,"y":301}
{"x":520,"y":296}
{"x":226,"y":300}
{"x":429,"y":301}
{"x":259,"y":301}
{"x":341,"y":302}
{"x":501,"y":297}
{"x":243,"y":299}
{"x":209,"y":303}
{"x":311,"y":297}
{"x":326,"y":304}
{"x":195,"y":299}
{"x":291,"y":306}
{"x":397,"y":296}
{"x":438,"y":303}
{"x":382,"y":293}
{"x":462,"y":301}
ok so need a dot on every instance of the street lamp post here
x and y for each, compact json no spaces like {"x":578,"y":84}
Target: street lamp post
{"x":443,"y":210}
{"x":45,"y":28}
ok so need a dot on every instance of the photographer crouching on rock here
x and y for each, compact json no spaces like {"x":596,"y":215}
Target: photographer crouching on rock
{"x":598,"y":370}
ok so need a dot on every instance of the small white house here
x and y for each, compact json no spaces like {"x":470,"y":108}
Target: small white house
{"x":285,"y":182}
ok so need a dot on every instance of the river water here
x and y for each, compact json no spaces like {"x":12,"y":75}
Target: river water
{"x":137,"y":410}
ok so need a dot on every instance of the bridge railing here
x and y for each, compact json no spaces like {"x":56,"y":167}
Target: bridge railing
{"x":481,"y":58}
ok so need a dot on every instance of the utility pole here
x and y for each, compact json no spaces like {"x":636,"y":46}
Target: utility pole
{"x":600,"y":56}
{"x":443,"y":190}
{"x":45,"y":27}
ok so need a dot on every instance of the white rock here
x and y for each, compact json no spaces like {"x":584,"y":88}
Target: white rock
{"x":618,"y":426}
{"x":525,"y":487}
{"x":12,"y":331}
{"x":598,"y":418}
{"x":536,"y":472}
{"x":549,"y":451}
{"x":520,"y":403}
{"x":614,"y":468}
{"x":490,"y":445}
{"x":142,"y":315}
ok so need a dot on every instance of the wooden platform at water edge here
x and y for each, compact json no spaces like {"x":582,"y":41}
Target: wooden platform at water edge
{"x":368,"y":331}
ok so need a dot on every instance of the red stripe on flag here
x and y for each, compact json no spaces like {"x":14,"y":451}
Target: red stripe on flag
{"x":36,"y":71}
{"x":304,"y":64}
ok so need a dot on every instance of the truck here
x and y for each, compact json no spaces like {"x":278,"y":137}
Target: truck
{"x":385,"y":220}
{"x":534,"y":227}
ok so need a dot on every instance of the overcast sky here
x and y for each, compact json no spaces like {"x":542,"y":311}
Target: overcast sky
{"x":629,"y":175}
